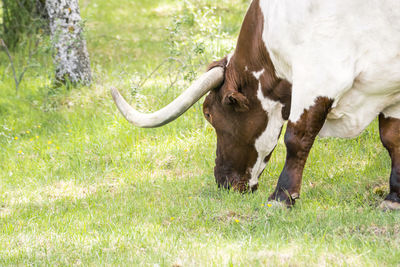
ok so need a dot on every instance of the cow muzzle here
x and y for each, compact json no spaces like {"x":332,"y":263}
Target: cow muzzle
{"x":234,"y":181}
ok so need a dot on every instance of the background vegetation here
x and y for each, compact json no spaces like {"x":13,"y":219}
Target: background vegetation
{"x":80,"y":186}
{"x":22,"y":18}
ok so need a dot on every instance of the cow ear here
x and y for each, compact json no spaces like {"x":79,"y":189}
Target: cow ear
{"x":237,"y":100}
{"x":220,"y":63}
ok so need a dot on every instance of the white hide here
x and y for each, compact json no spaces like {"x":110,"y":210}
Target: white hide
{"x":393,"y":111}
{"x":228,"y":59}
{"x":267,"y":141}
{"x":346,"y":50}
{"x":257,"y":74}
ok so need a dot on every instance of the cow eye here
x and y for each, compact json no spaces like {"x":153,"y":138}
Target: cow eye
{"x":207,"y":115}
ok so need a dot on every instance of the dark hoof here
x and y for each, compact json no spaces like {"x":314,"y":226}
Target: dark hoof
{"x":391,"y":202}
{"x":284,"y":197}
{"x":388,"y":205}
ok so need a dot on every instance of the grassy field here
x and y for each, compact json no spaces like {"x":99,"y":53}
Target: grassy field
{"x":81,"y":186}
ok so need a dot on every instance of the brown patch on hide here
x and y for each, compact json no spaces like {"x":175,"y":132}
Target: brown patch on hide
{"x":299,"y":138}
{"x":389,"y":130}
{"x":234,"y":109}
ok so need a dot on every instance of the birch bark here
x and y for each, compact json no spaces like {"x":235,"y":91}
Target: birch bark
{"x":70,"y":57}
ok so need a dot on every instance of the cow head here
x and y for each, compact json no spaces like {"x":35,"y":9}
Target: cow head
{"x":247,"y":112}
{"x":247,"y":105}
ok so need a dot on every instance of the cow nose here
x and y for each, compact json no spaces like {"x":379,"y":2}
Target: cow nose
{"x":230,"y":179}
{"x":240,"y":187}
{"x":233,"y":182}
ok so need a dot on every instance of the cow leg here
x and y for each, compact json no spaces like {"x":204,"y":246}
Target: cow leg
{"x":299,"y":138}
{"x":389,"y":130}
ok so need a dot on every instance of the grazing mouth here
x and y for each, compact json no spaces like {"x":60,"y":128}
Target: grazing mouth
{"x":240,"y":185}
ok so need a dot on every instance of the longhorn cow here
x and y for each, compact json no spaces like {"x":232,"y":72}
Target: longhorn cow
{"x":328,"y":68}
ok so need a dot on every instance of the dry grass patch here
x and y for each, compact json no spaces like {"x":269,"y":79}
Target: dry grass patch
{"x":57,"y":191}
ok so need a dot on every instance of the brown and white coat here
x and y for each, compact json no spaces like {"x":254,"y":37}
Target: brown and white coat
{"x":325,"y":67}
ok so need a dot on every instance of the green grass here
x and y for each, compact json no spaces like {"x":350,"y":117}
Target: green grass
{"x":80,"y":186}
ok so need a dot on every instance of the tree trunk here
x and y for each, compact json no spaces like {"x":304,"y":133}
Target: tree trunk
{"x":71,"y":58}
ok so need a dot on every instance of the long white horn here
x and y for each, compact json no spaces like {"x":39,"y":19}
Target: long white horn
{"x":173,"y":110}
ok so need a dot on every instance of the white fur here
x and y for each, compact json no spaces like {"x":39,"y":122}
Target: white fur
{"x":346,"y":50}
{"x":228,"y":58}
{"x":392,"y":112}
{"x":257,"y":74}
{"x":267,"y":141}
